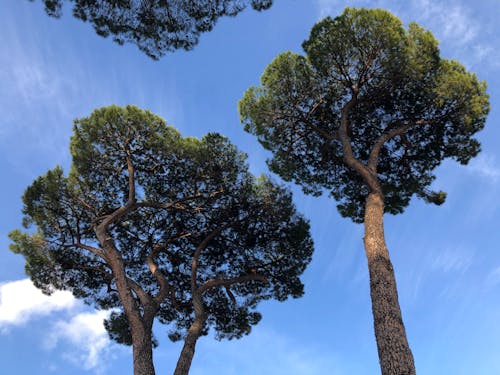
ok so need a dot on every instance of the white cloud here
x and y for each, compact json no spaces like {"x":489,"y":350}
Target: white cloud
{"x":90,"y":343}
{"x":21,"y":301}
{"x":344,"y":261}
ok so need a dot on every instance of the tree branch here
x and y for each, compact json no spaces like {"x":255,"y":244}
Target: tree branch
{"x":166,"y":290}
{"x":386,"y":136}
{"x":93,"y":250}
{"x":228,"y":282}
{"x":176,"y":203}
{"x":200,"y":248}
{"x":318,"y":130}
{"x":144,"y":297}
{"x":348,"y":155}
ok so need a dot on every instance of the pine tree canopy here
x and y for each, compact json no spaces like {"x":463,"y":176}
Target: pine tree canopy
{"x":405,"y":108}
{"x":155,"y":26}
{"x":180,"y":213}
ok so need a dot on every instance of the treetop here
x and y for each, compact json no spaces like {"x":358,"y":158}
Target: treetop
{"x":404,"y":110}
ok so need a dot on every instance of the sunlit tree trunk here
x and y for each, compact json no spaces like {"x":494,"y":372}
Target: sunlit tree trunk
{"x":194,"y":332}
{"x":187,"y":353}
{"x":394,"y":352}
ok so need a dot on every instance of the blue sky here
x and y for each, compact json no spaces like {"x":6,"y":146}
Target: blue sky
{"x":447,"y":258}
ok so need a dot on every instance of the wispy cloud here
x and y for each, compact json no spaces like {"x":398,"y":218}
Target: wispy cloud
{"x":453,"y":22}
{"x":485,"y":166}
{"x":284,"y":357}
{"x":38,"y":90}
{"x":346,"y":261}
{"x":437,"y":266}
{"x":454,"y":260}
{"x":493,"y":277}
{"x":20,"y":301}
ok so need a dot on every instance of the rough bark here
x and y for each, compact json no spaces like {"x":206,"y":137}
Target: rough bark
{"x":140,"y":327}
{"x":142,"y":351}
{"x":194,"y":332}
{"x":187,"y":353}
{"x":394,"y":352}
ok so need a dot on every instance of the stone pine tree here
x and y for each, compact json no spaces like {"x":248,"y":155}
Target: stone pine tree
{"x":155,"y":26}
{"x":156,"y":226}
{"x":367,"y":115}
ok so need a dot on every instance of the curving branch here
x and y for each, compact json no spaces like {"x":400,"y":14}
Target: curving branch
{"x":386,"y":136}
{"x":166,"y":290}
{"x":143,"y":296}
{"x":348,"y":155}
{"x":203,"y":244}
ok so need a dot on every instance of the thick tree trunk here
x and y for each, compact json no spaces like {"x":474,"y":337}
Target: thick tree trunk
{"x":143,"y":353}
{"x":187,"y":353}
{"x":394,"y":352}
{"x":140,"y":326}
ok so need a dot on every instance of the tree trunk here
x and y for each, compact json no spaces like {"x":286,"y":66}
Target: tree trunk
{"x":140,"y":326}
{"x":143,"y":353}
{"x":393,"y":350}
{"x":187,"y":353}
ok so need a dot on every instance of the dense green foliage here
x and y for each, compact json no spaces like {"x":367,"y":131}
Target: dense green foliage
{"x":406,"y":110}
{"x":155,"y":26}
{"x":172,"y":193}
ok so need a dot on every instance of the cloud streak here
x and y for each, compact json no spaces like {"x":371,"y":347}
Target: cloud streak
{"x":452,"y":260}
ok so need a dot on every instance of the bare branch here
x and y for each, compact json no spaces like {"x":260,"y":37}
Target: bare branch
{"x":92,"y":249}
{"x":306,"y":121}
{"x":85,"y":204}
{"x":320,"y":131}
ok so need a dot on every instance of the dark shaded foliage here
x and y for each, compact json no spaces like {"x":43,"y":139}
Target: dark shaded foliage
{"x":175,"y":194}
{"x":155,"y":26}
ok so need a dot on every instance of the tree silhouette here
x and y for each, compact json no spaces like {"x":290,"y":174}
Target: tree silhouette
{"x":155,"y":26}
